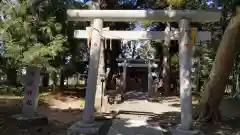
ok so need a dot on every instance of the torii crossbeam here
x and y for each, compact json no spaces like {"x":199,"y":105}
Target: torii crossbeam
{"x":144,"y":15}
{"x":141,"y":35}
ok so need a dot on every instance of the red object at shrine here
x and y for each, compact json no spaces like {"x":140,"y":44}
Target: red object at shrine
{"x":189,"y":46}
{"x":29,"y":92}
{"x":95,"y":44}
{"x":89,"y":45}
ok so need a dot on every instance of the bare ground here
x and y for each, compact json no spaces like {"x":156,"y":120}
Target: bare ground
{"x":63,"y":110}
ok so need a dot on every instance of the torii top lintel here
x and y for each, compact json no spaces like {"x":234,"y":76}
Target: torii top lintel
{"x":144,"y":15}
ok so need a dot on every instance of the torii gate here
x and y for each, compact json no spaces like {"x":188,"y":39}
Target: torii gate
{"x":184,"y":17}
{"x":138,"y":35}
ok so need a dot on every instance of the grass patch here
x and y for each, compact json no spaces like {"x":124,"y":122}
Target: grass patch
{"x":11,"y":96}
{"x":11,"y":91}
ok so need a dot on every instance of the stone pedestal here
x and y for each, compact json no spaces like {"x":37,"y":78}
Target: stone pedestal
{"x":25,"y":122}
{"x":31,"y":93}
{"x":179,"y":131}
{"x":29,"y":117}
{"x":105,"y":107}
{"x":80,"y":128}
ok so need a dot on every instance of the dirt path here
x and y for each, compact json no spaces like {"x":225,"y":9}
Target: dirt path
{"x":136,"y":114}
{"x":61,"y":112}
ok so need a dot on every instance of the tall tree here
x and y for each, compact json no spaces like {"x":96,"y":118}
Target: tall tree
{"x":219,"y":76}
{"x":29,"y":36}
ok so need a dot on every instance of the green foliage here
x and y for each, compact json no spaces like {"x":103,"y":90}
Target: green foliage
{"x":146,"y":51}
{"x":29,"y":39}
{"x":147,"y":24}
{"x":176,"y":2}
{"x":174,"y":63}
{"x":37,"y":33}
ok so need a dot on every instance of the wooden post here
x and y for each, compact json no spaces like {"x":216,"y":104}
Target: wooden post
{"x":149,"y":79}
{"x":125,"y":75}
{"x":194,"y":35}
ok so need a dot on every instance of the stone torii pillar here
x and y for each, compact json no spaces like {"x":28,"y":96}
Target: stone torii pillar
{"x":88,"y":125}
{"x":92,"y":74}
{"x":99,"y":96}
{"x":185,"y":61}
{"x":185,"y":65}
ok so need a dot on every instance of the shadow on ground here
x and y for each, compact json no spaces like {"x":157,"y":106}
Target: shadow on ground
{"x":156,"y":123}
{"x":137,"y":95}
{"x":164,"y":122}
{"x":230,"y":125}
{"x":61,"y":109}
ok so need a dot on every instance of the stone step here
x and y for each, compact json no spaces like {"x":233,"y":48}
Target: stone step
{"x":135,"y":127}
{"x":134,"y":117}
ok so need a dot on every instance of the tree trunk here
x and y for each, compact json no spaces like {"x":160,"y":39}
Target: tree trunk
{"x":218,"y":78}
{"x":45,"y":80}
{"x":113,"y":54}
{"x":55,"y":81}
{"x":12,"y":76}
{"x":62,"y":78}
{"x":111,"y":60}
